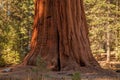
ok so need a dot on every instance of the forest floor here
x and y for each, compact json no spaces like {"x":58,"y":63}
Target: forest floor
{"x":33,"y":73}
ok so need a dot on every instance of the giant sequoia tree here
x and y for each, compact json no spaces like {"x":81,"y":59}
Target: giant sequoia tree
{"x":60,"y":36}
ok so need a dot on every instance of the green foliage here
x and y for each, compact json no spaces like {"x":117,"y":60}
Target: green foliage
{"x":16,"y":21}
{"x":101,"y":15}
{"x":41,"y":64}
{"x":11,"y":57}
{"x":76,"y":76}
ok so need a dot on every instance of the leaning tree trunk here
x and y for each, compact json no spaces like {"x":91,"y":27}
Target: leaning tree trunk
{"x":60,"y":35}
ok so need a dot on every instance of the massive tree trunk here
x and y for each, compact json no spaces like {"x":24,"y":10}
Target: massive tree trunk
{"x":60,"y":36}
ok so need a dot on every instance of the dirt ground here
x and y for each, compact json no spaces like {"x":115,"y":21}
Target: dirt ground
{"x":33,"y":73}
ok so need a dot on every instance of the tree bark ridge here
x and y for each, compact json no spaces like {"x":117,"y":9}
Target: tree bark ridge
{"x":60,"y":35}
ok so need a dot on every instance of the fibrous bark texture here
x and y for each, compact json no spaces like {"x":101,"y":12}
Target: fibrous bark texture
{"x":60,"y":36}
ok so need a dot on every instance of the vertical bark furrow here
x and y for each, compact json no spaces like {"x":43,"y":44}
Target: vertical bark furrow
{"x":60,"y":35}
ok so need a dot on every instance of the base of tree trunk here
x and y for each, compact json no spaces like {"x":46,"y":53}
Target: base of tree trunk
{"x":32,"y":72}
{"x":72,"y":66}
{"x":19,"y":68}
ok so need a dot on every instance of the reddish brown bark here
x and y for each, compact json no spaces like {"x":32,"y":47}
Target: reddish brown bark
{"x":60,"y":35}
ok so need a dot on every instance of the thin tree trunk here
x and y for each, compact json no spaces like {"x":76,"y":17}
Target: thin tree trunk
{"x":60,"y":36}
{"x":108,"y":45}
{"x":117,"y":33}
{"x":108,"y":35}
